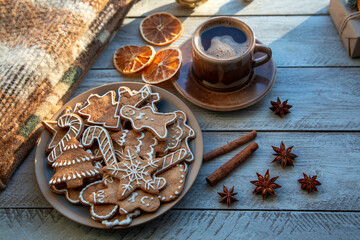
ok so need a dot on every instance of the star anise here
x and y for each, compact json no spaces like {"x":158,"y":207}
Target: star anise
{"x":284,"y":155}
{"x":280,"y":108}
{"x":265,"y":185}
{"x":227,"y":195}
{"x":308,"y":183}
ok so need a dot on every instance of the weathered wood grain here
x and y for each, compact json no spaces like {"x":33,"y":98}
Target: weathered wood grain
{"x":175,"y":224}
{"x":323,"y":99}
{"x":232,"y":7}
{"x":295,"y":40}
{"x":331,"y":156}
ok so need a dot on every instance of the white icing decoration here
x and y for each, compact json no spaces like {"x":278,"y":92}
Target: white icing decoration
{"x":142,"y":136}
{"x":133,"y":196}
{"x":123,"y":210}
{"x":163,"y":198}
{"x":100,"y":195}
{"x":105,"y":146}
{"x":140,"y":115}
{"x":121,"y":141}
{"x":182,"y":176}
{"x":179,"y":187}
{"x":181,"y":181}
{"x":176,"y":192}
{"x":142,"y":199}
{"x":160,"y":182}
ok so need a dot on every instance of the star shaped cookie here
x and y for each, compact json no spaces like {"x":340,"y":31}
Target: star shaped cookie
{"x":134,"y":173}
{"x":56,"y":132}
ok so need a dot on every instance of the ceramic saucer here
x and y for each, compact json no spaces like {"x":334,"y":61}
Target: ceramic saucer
{"x":252,"y":92}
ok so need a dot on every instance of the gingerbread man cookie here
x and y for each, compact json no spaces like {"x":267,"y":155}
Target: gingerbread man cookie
{"x":146,"y":118}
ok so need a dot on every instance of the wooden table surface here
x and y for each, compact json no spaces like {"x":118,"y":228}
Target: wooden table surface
{"x":320,"y":81}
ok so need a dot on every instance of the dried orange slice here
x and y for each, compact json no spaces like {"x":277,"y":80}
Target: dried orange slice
{"x":132,"y":59}
{"x":160,"y":28}
{"x":166,"y":64}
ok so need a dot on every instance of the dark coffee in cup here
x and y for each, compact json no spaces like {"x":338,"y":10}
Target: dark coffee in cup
{"x":223,"y":41}
{"x":223,"y":50}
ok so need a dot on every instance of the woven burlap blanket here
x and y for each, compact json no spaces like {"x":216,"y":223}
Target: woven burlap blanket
{"x":46,"y":48}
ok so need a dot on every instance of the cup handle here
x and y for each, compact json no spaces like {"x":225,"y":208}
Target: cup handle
{"x":261,"y":60}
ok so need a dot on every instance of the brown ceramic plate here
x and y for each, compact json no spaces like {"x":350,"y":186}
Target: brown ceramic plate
{"x":79,"y":213}
{"x":254,"y":91}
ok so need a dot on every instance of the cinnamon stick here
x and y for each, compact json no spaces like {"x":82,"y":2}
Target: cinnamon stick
{"x":230,"y":165}
{"x":230,"y":146}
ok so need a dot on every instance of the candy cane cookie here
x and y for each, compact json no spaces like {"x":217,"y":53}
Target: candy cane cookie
{"x":104,"y":140}
{"x":76,"y":125}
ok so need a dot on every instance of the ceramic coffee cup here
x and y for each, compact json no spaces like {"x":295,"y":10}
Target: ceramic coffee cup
{"x":221,"y":62}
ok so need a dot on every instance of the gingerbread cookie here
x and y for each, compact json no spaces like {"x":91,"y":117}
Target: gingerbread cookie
{"x":172,"y":159}
{"x":175,"y":181}
{"x":73,"y":167}
{"x":143,"y":142}
{"x":75,"y":109}
{"x":72,"y":195}
{"x":98,"y":212}
{"x":76,"y":127}
{"x":103,"y":138}
{"x":146,"y":118}
{"x":133,"y":173}
{"x":174,"y":137}
{"x":139,"y":200}
{"x":121,"y":220}
{"x":56,"y":132}
{"x":128,"y":97}
{"x":103,"y":212}
{"x":188,"y":134}
{"x":152,"y":100}
{"x":102,"y":110}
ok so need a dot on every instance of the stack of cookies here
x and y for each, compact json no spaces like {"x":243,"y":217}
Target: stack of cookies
{"x":119,"y":154}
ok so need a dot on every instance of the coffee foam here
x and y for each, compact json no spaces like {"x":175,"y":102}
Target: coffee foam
{"x":225,"y":47}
